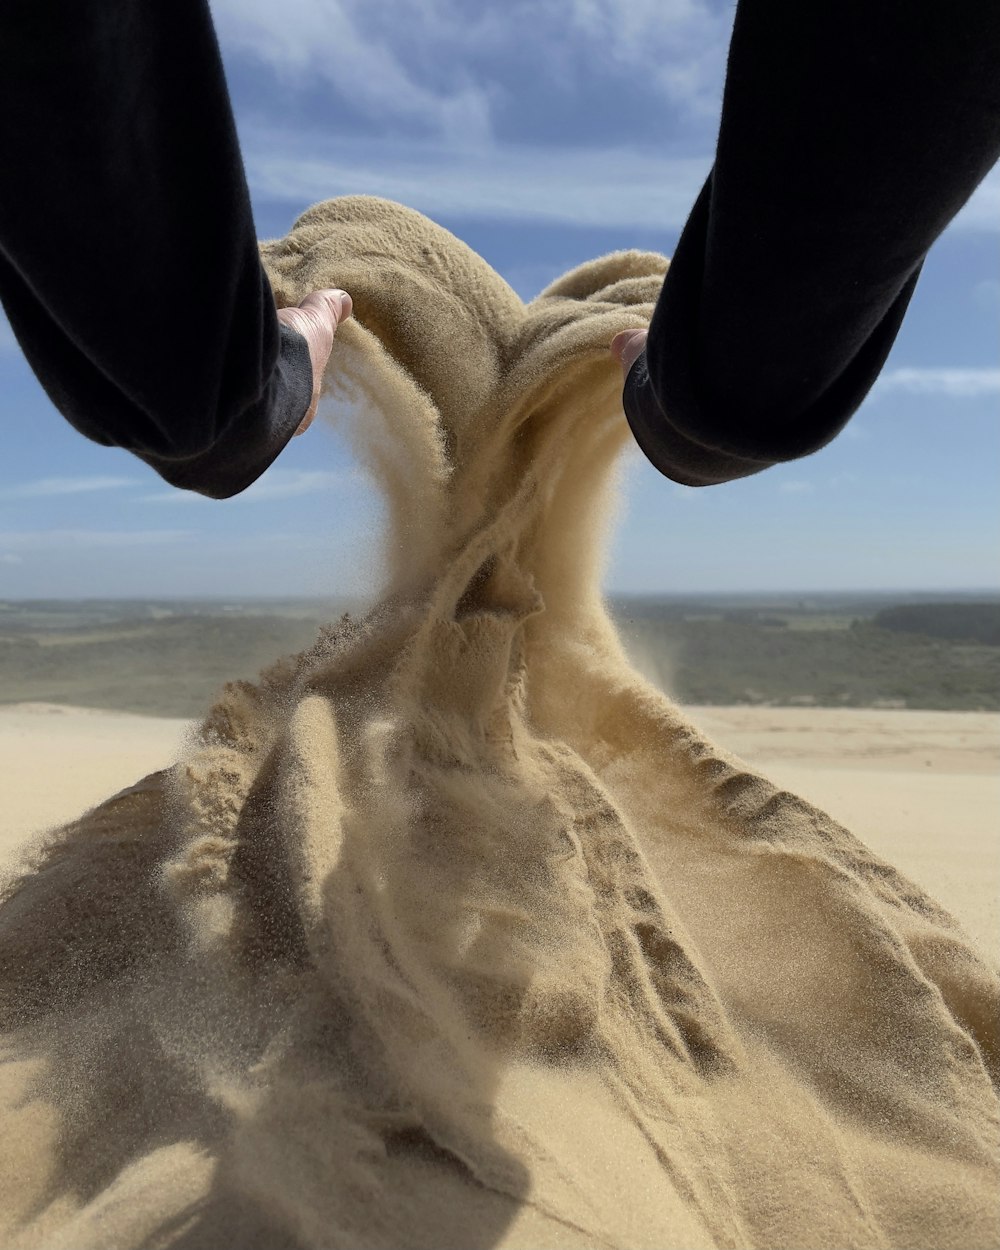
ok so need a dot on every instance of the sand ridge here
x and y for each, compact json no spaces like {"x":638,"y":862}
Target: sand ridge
{"x":453,"y":930}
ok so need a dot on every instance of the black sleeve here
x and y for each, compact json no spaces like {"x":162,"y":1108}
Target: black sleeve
{"x":128,"y":255}
{"x":851,"y":134}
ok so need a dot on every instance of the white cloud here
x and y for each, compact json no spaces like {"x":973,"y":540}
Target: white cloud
{"x":8,"y":557}
{"x":951,"y":382}
{"x":617,"y":187}
{"x":443,"y":65}
{"x":678,"y":47}
{"x":274,"y":484}
{"x":609,"y":187}
{"x":64,"y":540}
{"x":599,"y":186}
{"x":436,"y":82}
{"x":796,"y":487}
{"x":49,"y":487}
{"x":339,"y":42}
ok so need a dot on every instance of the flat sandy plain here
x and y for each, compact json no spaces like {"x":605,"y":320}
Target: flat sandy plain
{"x":921,"y":788}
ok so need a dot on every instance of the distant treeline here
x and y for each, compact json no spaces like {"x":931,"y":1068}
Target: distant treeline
{"x":171,"y":659}
{"x":934,"y":655}
{"x":958,"y":622}
{"x":724,"y":662}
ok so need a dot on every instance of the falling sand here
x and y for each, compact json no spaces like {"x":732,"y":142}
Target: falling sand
{"x":453,"y":931}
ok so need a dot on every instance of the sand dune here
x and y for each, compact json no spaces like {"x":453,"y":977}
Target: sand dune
{"x":920,"y":788}
{"x":56,"y":762}
{"x":454,"y":931}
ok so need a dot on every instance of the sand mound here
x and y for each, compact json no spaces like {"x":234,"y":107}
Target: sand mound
{"x":455,"y":932}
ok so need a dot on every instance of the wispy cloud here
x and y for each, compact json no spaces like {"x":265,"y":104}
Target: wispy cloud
{"x":467,"y":87}
{"x":50,"y":487}
{"x":275,"y":484}
{"x":677,"y":46}
{"x":953,"y":383}
{"x":617,"y":187}
{"x":361,"y":52}
{"x":448,"y":68}
{"x":797,"y":487}
{"x":612,"y":187}
{"x":70,"y":539}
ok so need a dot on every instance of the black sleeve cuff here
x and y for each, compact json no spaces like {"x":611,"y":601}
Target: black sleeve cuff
{"x":677,"y":456}
{"x":252,"y":442}
{"x":693,"y":439}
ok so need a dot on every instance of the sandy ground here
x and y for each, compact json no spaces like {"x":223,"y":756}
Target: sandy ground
{"x":55,"y":762}
{"x":921,"y":788}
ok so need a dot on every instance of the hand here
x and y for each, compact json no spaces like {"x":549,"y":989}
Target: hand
{"x":626,"y":347}
{"x":316,"y":319}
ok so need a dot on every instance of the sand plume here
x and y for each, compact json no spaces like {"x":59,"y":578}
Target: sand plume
{"x":453,"y":931}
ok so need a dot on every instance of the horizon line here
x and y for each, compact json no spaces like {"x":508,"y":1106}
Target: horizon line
{"x":861,"y":592}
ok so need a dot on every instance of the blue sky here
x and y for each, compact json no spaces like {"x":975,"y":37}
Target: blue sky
{"x":543,"y":134}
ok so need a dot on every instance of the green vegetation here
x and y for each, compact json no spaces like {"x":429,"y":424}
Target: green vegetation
{"x":957,"y":622}
{"x":828,"y":652}
{"x":158,"y":659}
{"x":169,"y":659}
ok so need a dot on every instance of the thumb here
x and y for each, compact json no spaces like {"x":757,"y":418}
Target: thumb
{"x":316,"y":318}
{"x":332,"y":305}
{"x":626,"y":347}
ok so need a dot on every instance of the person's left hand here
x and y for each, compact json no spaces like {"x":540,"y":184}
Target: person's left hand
{"x":316,"y":319}
{"x":626,"y":347}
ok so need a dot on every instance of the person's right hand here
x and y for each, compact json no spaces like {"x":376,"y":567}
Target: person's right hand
{"x":626,"y":347}
{"x":316,"y":319}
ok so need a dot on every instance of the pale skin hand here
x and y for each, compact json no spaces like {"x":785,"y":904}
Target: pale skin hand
{"x":626,"y":346}
{"x":316,"y":319}
{"x":320,"y":313}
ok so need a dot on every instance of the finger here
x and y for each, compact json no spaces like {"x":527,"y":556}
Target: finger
{"x":627,"y":346}
{"x":306,"y":421}
{"x":332,"y":304}
{"x":317,"y":319}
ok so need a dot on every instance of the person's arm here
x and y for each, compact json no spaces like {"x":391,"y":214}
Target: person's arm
{"x":128,"y":256}
{"x":851,"y":135}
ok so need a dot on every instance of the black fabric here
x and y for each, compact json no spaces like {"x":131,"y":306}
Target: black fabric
{"x":851,"y":134}
{"x":128,"y":255}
